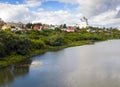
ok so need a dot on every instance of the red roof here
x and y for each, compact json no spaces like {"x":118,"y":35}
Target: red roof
{"x":71,"y":28}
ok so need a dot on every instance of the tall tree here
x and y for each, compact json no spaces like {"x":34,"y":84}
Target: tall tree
{"x":29,"y":25}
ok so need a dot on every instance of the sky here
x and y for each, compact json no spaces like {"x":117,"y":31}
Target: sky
{"x":100,"y":13}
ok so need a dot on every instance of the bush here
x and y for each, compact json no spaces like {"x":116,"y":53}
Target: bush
{"x":13,"y":43}
{"x":55,"y":40}
{"x":23,"y":46}
{"x":2,"y":50}
{"x":38,"y":44}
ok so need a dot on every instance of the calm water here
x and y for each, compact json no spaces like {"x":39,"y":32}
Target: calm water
{"x":95,"y":65}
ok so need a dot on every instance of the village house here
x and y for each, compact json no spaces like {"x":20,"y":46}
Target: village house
{"x":4,"y":27}
{"x":46,"y":26}
{"x":70,"y":29}
{"x":37,"y":27}
{"x":53,"y":27}
{"x":18,"y":25}
{"x":63,"y":29}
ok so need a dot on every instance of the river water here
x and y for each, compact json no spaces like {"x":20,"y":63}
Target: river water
{"x":96,"y":65}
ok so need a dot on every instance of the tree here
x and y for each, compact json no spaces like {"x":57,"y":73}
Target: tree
{"x":29,"y":25}
{"x":64,"y":26}
{"x":10,"y":43}
{"x":55,"y":40}
{"x":38,"y":44}
{"x":23,"y":46}
{"x":1,"y":24}
{"x":2,"y":50}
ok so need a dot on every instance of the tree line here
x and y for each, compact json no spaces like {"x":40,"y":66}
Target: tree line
{"x":25,"y":43}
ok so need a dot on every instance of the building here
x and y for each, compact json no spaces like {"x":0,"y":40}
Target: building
{"x":19,"y":24}
{"x":53,"y":27}
{"x":46,"y":26}
{"x":37,"y":27}
{"x":70,"y":29}
{"x":4,"y":27}
{"x":84,"y":22}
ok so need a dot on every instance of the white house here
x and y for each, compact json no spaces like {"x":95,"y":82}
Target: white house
{"x":53,"y":27}
{"x":84,"y":22}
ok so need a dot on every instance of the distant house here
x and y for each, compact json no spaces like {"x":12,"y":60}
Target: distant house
{"x":84,"y":23}
{"x":4,"y":27}
{"x":13,"y":29}
{"x":19,"y":24}
{"x":53,"y":27}
{"x":37,"y":27}
{"x":63,"y":29}
{"x":70,"y":29}
{"x":46,"y":26}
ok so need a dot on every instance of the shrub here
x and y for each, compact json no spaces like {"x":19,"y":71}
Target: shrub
{"x":38,"y":44}
{"x":14,"y":43}
{"x":23,"y":46}
{"x":55,"y":40}
{"x":2,"y":50}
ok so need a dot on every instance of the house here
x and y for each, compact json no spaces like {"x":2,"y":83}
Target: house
{"x":5,"y":27}
{"x":63,"y":29}
{"x":13,"y":29}
{"x":84,"y":23}
{"x":53,"y":27}
{"x":37,"y":27}
{"x":46,"y":26}
{"x":70,"y":29}
{"x":19,"y":24}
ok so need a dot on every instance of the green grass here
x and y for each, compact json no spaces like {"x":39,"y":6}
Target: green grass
{"x":79,"y":43}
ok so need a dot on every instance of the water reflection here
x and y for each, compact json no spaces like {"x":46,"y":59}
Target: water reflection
{"x":7,"y":75}
{"x":84,"y":66}
{"x":36,"y":63}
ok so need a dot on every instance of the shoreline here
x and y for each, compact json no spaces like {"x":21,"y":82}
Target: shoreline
{"x":13,"y":59}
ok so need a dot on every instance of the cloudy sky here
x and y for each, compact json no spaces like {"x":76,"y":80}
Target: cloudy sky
{"x":105,"y":13}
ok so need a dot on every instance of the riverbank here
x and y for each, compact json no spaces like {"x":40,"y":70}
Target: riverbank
{"x":18,"y":46}
{"x":12,"y":59}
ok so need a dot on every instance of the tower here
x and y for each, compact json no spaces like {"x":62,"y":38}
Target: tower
{"x":84,"y":22}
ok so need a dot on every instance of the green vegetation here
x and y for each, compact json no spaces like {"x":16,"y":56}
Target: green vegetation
{"x":15,"y":47}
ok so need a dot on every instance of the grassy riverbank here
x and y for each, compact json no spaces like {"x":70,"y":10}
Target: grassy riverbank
{"x":8,"y":60}
{"x":18,"y":46}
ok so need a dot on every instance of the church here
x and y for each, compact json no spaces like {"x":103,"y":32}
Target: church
{"x":84,"y":22}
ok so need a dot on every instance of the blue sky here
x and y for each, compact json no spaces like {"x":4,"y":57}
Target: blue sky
{"x":11,"y":1}
{"x":103,"y":13}
{"x":55,"y":5}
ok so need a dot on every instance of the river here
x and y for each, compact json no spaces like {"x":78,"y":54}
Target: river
{"x":96,"y":65}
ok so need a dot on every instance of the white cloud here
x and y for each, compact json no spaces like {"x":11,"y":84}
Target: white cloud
{"x":108,"y":18}
{"x":15,"y":13}
{"x":22,"y":13}
{"x":99,"y":12}
{"x":56,"y":17}
{"x":93,"y":7}
{"x":104,"y":17}
{"x":32,"y":3}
